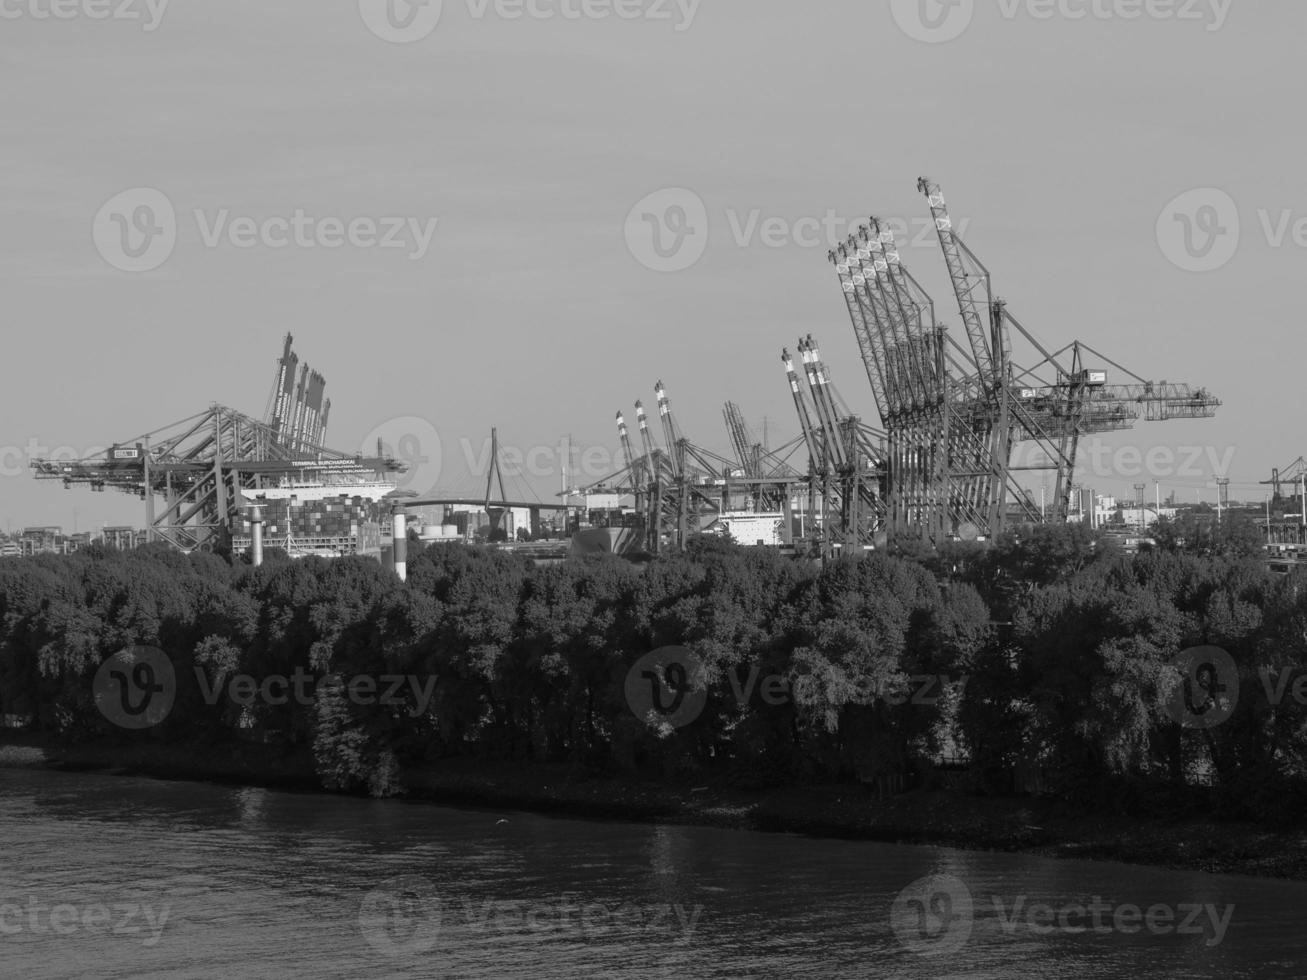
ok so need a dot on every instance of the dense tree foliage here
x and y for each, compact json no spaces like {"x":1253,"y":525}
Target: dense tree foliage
{"x":1045,"y":662}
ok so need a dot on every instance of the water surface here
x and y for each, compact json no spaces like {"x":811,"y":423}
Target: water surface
{"x":212,"y":881}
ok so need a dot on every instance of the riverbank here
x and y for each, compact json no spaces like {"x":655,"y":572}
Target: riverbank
{"x":943,"y":818}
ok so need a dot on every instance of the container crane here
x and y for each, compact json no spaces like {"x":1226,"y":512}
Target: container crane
{"x":954,"y":414}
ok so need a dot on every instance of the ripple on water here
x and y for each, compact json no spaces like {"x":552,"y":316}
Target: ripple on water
{"x":260,"y":883}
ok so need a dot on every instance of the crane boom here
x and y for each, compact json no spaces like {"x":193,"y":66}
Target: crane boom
{"x":970,"y":280}
{"x":866,"y":328}
{"x":801,"y":408}
{"x":671,"y":432}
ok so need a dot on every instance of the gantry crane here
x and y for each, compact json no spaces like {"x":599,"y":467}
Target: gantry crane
{"x":747,"y":449}
{"x":762,"y":466}
{"x":635,"y":464}
{"x":682,"y":489}
{"x":204,"y":466}
{"x":1295,"y":475}
{"x":846,"y":458}
{"x":954,"y":415}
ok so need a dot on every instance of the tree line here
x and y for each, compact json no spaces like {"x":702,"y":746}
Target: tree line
{"x":1048,"y":656}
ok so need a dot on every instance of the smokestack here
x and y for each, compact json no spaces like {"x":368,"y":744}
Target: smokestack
{"x":400,"y":542}
{"x":256,"y":520}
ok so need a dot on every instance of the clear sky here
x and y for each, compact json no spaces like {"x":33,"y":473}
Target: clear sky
{"x":1062,"y":133}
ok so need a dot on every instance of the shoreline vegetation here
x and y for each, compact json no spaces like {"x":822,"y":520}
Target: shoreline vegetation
{"x":1043,"y":693}
{"x":940,"y":818}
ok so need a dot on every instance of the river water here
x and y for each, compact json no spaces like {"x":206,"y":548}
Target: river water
{"x":104,"y":876}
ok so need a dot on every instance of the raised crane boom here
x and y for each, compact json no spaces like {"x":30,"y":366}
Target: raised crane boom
{"x":801,"y":409}
{"x":634,"y":463}
{"x":816,"y":375}
{"x":970,"y":282}
{"x":746,"y":448}
{"x":868,"y":325}
{"x":646,"y":437}
{"x":671,"y":431}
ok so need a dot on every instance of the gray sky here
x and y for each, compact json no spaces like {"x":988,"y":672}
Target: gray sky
{"x":1061,"y":141}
